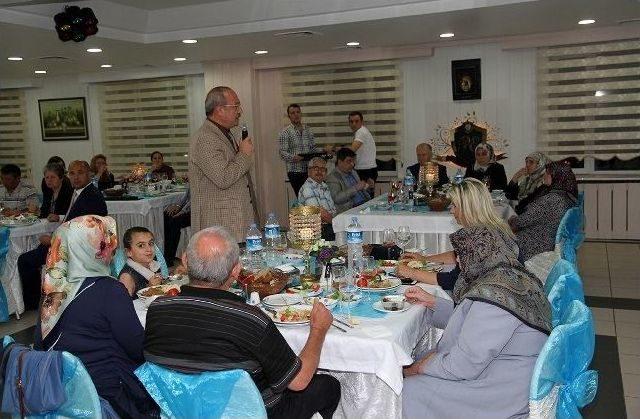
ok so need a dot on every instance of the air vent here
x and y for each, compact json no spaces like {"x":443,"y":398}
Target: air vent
{"x":297,"y":34}
{"x":53,"y":58}
{"x":632,"y":20}
{"x":341,"y":47}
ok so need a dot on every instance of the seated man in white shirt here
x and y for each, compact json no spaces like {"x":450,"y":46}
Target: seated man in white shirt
{"x":16,"y":196}
{"x":315,"y":192}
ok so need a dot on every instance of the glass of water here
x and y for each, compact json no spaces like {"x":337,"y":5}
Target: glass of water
{"x":403,"y":237}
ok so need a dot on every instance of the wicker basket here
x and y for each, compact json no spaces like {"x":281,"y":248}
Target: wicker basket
{"x":268,"y":282}
{"x":305,"y":226}
{"x":438,"y":202}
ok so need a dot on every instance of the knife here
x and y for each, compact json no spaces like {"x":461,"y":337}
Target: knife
{"x":338,"y":327}
{"x":343,"y":322}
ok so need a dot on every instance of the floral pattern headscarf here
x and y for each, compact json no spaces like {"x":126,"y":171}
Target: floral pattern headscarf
{"x":563,"y":180}
{"x":491,"y":273}
{"x":492,"y":156}
{"x":531,"y":182}
{"x":80,"y":248}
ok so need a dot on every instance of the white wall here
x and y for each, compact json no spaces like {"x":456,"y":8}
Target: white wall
{"x":508,"y":97}
{"x":61,"y":87}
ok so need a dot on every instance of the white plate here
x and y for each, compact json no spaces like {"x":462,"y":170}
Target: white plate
{"x":355,"y":300}
{"x":388,"y":269}
{"x":328,"y":302}
{"x":304,"y":292}
{"x":11,"y":222}
{"x":395,"y":281}
{"x":147,"y":300}
{"x":282,"y":300}
{"x":276,"y":318}
{"x":378,"y":306}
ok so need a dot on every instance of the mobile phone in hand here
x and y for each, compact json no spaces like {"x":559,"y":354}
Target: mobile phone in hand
{"x":408,"y":281}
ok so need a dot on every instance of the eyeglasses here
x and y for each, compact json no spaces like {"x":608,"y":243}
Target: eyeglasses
{"x":323,"y":169}
{"x":237,"y":105}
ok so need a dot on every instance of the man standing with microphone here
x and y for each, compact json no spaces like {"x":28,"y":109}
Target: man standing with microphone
{"x":219,"y":168}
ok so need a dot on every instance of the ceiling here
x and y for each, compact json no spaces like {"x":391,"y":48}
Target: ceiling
{"x":146,"y":33}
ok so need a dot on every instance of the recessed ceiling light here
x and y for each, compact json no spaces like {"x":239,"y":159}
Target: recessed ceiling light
{"x":106,"y":66}
{"x":586,"y":21}
{"x":94,"y":50}
{"x":353,"y":44}
{"x":261,"y":52}
{"x":447,"y":35}
{"x":40,"y":71}
{"x":179,"y":59}
{"x":599,"y":93}
{"x":14,"y":58}
{"x":189,"y":41}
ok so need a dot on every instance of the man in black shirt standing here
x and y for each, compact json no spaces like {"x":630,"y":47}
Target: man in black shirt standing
{"x":208,"y":328}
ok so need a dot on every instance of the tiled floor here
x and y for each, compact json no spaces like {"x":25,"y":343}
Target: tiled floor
{"x":612,"y":289}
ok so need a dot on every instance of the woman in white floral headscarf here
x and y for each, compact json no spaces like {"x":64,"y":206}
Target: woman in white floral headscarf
{"x":90,"y":314}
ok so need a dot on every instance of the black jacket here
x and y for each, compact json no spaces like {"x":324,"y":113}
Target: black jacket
{"x":61,"y":205}
{"x":496,"y":174}
{"x":90,"y":202}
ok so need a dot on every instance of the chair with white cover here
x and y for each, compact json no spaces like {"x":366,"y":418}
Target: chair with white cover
{"x":219,"y":394}
{"x":561,"y":384}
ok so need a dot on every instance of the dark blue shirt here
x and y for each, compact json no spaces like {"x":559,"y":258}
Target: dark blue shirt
{"x":102,"y":329}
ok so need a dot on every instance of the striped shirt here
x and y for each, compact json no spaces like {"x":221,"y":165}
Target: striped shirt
{"x":294,"y":142}
{"x":206,"y":329}
{"x":317,"y":195}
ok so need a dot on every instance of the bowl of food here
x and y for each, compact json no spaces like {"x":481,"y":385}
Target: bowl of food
{"x":149,"y":294}
{"x":388,"y":265}
{"x":393,"y":302}
{"x":113,"y":192}
{"x":438,"y":202}
{"x":265,"y":282}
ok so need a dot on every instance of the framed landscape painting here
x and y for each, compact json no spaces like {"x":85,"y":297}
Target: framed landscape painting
{"x":63,"y":119}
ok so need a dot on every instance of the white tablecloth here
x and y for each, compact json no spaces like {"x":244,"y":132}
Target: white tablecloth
{"x":430,"y":230}
{"x":143,"y":213}
{"x":21,"y":239}
{"x":368,"y":360}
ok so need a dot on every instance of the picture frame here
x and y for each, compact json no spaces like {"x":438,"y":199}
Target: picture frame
{"x":63,"y":119}
{"x":466,"y":79}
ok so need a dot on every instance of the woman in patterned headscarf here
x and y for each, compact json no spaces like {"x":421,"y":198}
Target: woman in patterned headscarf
{"x":486,"y":169}
{"x":536,"y":227}
{"x":90,"y":314}
{"x":494,"y":328}
{"x":526,"y":183}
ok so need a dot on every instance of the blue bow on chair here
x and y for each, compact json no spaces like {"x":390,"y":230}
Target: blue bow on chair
{"x":570,"y":234}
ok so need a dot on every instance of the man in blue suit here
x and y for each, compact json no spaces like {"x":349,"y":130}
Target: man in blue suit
{"x":86,"y":199}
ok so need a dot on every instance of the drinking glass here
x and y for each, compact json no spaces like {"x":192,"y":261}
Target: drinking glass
{"x":280,"y":242}
{"x":339,"y":273}
{"x":403,"y":237}
{"x":388,"y":237}
{"x":347,"y":291}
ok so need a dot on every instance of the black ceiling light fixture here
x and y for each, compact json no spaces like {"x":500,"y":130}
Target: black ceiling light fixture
{"x":76,"y":23}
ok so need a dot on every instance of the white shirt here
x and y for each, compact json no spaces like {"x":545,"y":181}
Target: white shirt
{"x":74,"y":197}
{"x":366,"y":154}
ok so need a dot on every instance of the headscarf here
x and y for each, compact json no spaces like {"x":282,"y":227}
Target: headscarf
{"x":80,"y":248}
{"x":492,"y":156}
{"x":491,"y":273}
{"x":531,"y":182}
{"x":563,"y":180}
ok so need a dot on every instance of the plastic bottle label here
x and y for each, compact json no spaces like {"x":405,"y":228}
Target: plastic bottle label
{"x":354,"y":237}
{"x":254,"y":244}
{"x":272,"y":232}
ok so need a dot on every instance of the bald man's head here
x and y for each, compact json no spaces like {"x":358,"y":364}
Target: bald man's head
{"x":212,"y":256}
{"x":79,"y":174}
{"x":424,"y":153}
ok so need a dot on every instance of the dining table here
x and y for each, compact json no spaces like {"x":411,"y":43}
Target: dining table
{"x":367,"y":358}
{"x":146,"y":212}
{"x":430,"y":230}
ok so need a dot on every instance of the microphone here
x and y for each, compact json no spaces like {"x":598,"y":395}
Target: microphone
{"x":245,"y":131}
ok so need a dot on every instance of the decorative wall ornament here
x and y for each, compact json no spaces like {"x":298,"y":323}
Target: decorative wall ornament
{"x":466,"y":80}
{"x":456,"y":141}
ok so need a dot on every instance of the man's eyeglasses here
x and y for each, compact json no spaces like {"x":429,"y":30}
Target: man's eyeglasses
{"x":237,"y":106}
{"x":322,"y":169}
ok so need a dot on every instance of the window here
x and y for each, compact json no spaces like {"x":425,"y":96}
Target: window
{"x":13,"y":148}
{"x":141,"y":116}
{"x":328,"y":93}
{"x":589,"y":101}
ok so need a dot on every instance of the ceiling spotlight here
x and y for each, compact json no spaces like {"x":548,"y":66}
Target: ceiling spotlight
{"x":447,"y":35}
{"x":586,"y":22}
{"x":40,"y":72}
{"x":599,"y":93}
{"x":179,"y":59}
{"x":261,"y":52}
{"x":14,"y":58}
{"x":189,"y":41}
{"x":106,"y":66}
{"x":94,"y":50}
{"x":353,"y":44}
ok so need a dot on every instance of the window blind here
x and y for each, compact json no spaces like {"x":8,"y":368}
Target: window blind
{"x":141,"y":116}
{"x":327,"y":94}
{"x":589,"y":100}
{"x":13,"y":130}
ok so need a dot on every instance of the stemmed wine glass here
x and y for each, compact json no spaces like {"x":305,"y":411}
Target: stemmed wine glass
{"x":403,"y":236}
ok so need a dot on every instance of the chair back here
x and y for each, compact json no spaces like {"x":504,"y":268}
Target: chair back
{"x":570,"y":234}
{"x":561,"y":383}
{"x":220,"y":394}
{"x":565,"y":289}
{"x":4,"y":249}
{"x":82,"y":400}
{"x":120,"y":259}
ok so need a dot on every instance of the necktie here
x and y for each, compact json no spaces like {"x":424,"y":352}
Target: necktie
{"x":73,"y":201}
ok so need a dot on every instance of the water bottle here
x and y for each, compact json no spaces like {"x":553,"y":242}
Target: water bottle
{"x":272,"y":231}
{"x":94,"y":181}
{"x":459,"y":177}
{"x":354,"y":243}
{"x":253,"y":244}
{"x":409,"y":184}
